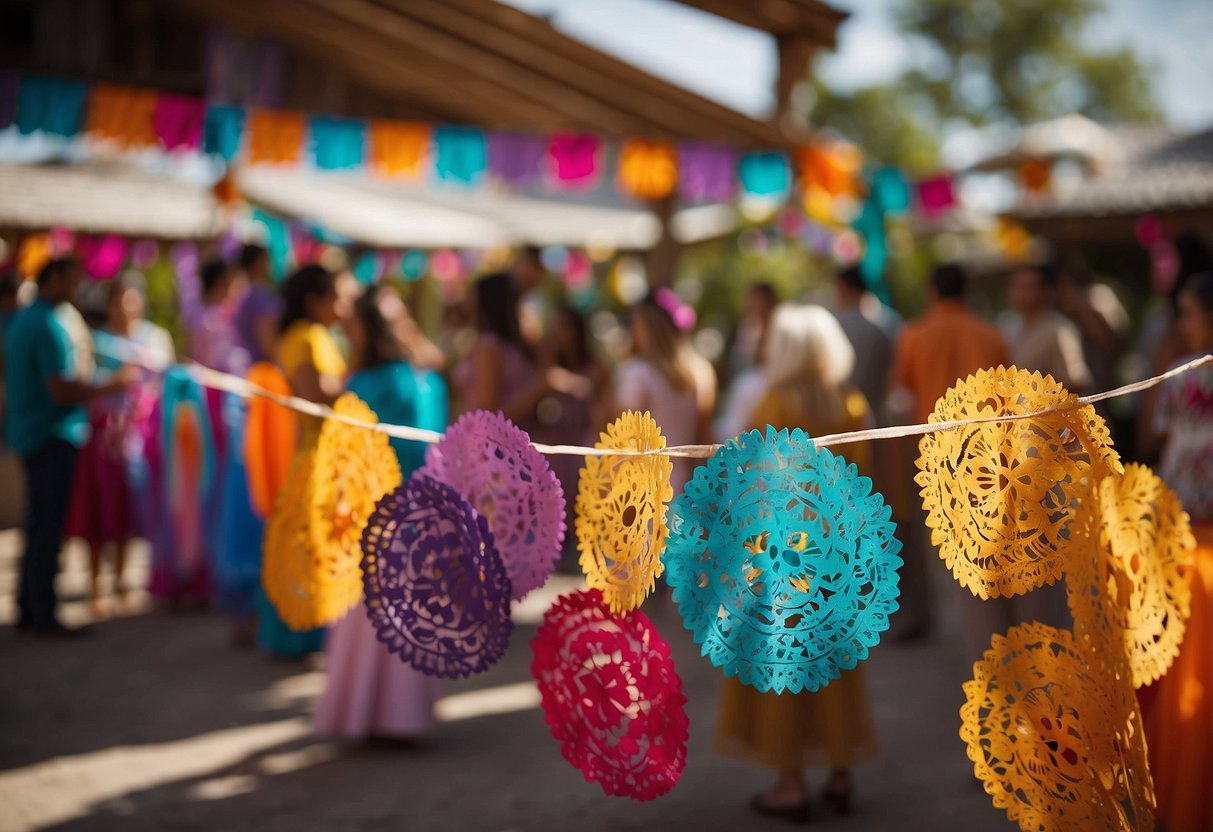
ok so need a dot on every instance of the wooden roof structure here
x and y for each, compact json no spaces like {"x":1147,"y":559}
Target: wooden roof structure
{"x":485,"y":63}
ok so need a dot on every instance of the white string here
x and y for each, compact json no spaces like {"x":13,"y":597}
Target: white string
{"x":246,"y":389}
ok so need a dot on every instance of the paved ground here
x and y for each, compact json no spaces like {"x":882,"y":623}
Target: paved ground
{"x":154,"y":722}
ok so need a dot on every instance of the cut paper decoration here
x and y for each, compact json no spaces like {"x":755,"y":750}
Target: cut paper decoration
{"x":337,"y":143}
{"x":828,"y":173}
{"x":1005,"y":500}
{"x":354,"y":469}
{"x":34,"y":253}
{"x":576,"y":159}
{"x":288,"y":571}
{"x":188,"y":473}
{"x":122,"y":115}
{"x":493,"y":465}
{"x":890,"y":187}
{"x":436,"y":590}
{"x":271,"y":434}
{"x":1054,"y":739}
{"x":461,"y":155}
{"x":223,"y":130}
{"x":275,"y":137}
{"x":782,"y":561}
{"x":648,"y":169}
{"x":52,"y":105}
{"x":312,"y":561}
{"x":398,"y":148}
{"x":611,"y":697}
{"x":103,"y":257}
{"x":1136,"y":602}
{"x":621,"y":507}
{"x":516,"y":158}
{"x":707,"y":173}
{"x":936,"y":195}
{"x":178,"y":121}
{"x":277,"y":242}
{"x":765,"y":174}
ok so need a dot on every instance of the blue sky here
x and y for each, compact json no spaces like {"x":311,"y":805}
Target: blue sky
{"x":736,"y":66}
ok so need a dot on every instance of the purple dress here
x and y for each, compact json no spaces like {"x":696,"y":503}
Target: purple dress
{"x":517,"y":373}
{"x":260,"y":303}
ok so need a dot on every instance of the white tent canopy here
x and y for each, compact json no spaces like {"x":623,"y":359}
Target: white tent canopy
{"x":122,"y":196}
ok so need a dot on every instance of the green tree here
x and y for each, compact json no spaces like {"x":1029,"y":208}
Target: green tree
{"x":979,"y":62}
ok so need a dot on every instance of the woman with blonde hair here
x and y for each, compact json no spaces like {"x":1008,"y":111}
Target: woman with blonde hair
{"x":667,"y":377}
{"x":808,"y":362}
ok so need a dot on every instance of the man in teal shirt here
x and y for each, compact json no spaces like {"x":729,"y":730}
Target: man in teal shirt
{"x":46,"y":424}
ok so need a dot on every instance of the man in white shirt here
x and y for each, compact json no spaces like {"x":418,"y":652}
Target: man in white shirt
{"x":1039,"y":337}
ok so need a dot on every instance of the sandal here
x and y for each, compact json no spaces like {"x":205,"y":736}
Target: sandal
{"x":792,"y":812}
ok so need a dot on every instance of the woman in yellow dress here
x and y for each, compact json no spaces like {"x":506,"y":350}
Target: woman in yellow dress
{"x":809,"y":361}
{"x":314,"y":301}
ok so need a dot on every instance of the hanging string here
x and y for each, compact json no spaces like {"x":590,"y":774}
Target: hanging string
{"x":245,"y":389}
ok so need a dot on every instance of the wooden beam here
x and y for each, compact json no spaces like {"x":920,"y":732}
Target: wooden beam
{"x":453,"y":56}
{"x":369,"y":58}
{"x":635,"y":109}
{"x":796,"y":18}
{"x":712,"y":120}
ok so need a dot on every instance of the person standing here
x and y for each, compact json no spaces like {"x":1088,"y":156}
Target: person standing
{"x":314,"y":302}
{"x":369,"y":692}
{"x":499,"y":373}
{"x":46,"y":425}
{"x":747,"y":359}
{"x":872,"y":343}
{"x":667,"y":377}
{"x":1039,"y":337}
{"x":112,"y":471}
{"x":260,"y":308}
{"x":931,"y":354}
{"x":809,"y":360}
{"x":1179,"y":716}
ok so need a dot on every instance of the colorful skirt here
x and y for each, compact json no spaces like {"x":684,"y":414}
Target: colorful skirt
{"x":102,"y":506}
{"x":1179,"y":714}
{"x":789,"y":731}
{"x":240,"y":530}
{"x":370,"y":692}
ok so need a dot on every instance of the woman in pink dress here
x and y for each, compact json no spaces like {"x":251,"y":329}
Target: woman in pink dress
{"x":111,"y":483}
{"x":370,"y":691}
{"x":499,"y":373}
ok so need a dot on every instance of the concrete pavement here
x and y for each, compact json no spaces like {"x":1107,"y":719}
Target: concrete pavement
{"x":155,"y":722}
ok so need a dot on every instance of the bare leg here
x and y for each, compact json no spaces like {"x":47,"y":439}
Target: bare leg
{"x":789,"y":789}
{"x":120,"y":587}
{"x":95,"y":606}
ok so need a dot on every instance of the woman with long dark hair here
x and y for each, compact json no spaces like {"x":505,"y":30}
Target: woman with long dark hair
{"x":369,"y":691}
{"x":313,"y":302}
{"x":499,"y":373}
{"x":667,"y":377}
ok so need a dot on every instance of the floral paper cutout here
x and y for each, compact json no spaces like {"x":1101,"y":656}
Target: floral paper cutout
{"x":288,"y":571}
{"x":611,"y":696}
{"x":313,"y":552}
{"x":493,"y":465}
{"x":1005,"y":500}
{"x":1055,"y":740}
{"x":621,"y":512}
{"x":783,"y":562}
{"x":1137,"y":602}
{"x":436,"y":589}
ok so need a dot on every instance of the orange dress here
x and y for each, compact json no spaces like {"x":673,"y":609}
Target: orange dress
{"x":1179,"y":715}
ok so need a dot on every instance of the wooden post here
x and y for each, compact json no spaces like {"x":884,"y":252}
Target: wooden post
{"x":663,"y":257}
